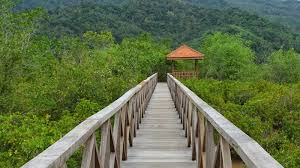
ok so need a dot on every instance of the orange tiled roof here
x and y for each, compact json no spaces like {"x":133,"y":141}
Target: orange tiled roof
{"x":184,"y":52}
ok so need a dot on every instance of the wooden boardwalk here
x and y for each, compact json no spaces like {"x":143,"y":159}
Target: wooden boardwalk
{"x":160,"y":141}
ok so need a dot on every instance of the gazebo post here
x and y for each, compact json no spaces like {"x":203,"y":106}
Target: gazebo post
{"x":173,"y":68}
{"x":196,"y":67}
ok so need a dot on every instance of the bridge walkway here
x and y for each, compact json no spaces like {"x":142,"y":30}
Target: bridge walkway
{"x":160,"y":140}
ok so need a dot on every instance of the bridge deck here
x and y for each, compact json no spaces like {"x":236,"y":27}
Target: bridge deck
{"x":160,"y":141}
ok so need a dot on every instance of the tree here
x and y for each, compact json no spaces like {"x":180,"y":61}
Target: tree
{"x":284,"y":66}
{"x":226,"y":57}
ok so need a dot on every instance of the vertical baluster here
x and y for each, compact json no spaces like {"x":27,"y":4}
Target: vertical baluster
{"x":185,"y":115}
{"x":172,"y":89}
{"x":176,"y":97}
{"x":117,"y":136}
{"x":209,"y":145}
{"x":134,"y":115}
{"x":138,"y":110}
{"x":194,"y":130}
{"x":201,"y":140}
{"x":140,"y":106}
{"x":181,"y":105}
{"x":126,"y":133}
{"x":123,"y":133}
{"x":182,"y":109}
{"x":189,"y":124}
{"x":179,"y":100}
{"x":131,"y":122}
{"x":142,"y":103}
{"x":144,"y":99}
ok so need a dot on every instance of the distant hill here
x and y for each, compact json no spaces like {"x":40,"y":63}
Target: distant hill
{"x":53,"y":4}
{"x":169,"y":19}
{"x":286,"y":12}
{"x":282,"y":11}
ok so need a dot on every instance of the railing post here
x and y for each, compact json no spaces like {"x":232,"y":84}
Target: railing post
{"x":209,"y":145}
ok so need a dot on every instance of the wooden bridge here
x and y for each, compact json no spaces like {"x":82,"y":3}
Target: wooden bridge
{"x":156,"y":125}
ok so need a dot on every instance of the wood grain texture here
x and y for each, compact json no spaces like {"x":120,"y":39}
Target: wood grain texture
{"x":160,"y":140}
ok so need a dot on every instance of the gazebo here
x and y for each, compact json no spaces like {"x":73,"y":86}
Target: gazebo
{"x":185,"y":53}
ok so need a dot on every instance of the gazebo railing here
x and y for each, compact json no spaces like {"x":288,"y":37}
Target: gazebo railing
{"x":116,"y":124}
{"x":185,"y":74}
{"x":201,"y":123}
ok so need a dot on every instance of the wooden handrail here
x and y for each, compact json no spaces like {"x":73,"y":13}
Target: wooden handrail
{"x":199,"y":122}
{"x":125,"y":113}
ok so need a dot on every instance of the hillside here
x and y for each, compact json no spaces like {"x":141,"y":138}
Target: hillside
{"x":176,"y":21}
{"x":53,"y":4}
{"x":284,"y":12}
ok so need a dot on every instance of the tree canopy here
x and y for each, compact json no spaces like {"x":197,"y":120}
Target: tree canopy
{"x":284,"y":66}
{"x":226,"y":57}
{"x":177,"y":21}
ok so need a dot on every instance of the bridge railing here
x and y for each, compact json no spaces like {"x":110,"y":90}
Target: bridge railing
{"x":201,"y":123}
{"x":116,"y":125}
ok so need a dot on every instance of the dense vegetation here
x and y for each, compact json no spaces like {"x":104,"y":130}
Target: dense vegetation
{"x":283,"y":11}
{"x":60,"y":66}
{"x":262,"y":100}
{"x":48,"y":86}
{"x":286,"y":12}
{"x":173,"y":20}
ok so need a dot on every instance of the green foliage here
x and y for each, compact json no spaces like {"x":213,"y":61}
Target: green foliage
{"x":48,"y":86}
{"x":284,"y":66}
{"x":99,"y":41}
{"x":226,"y":57}
{"x":286,"y":12}
{"x":176,"y":20}
{"x":24,"y":136}
{"x":283,"y":11}
{"x":85,"y":108}
{"x":267,"y":112}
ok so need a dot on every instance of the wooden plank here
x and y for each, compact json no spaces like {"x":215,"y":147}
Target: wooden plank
{"x":160,"y":141}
